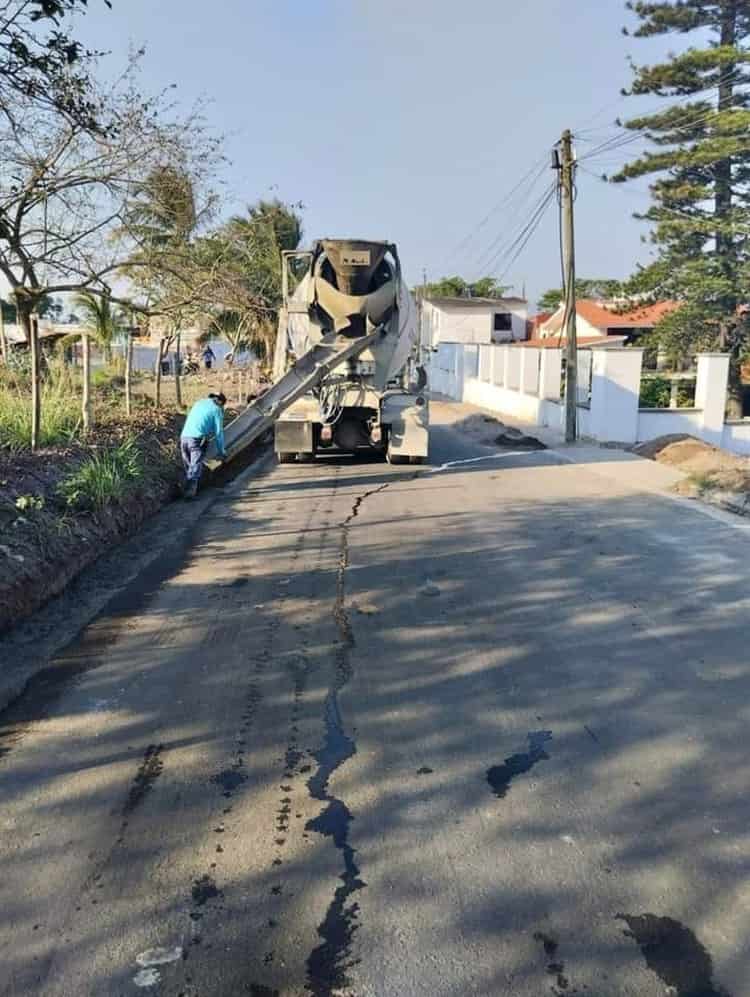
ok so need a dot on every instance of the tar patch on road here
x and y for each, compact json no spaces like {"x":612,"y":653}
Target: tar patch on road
{"x":672,"y":951}
{"x":555,"y":966}
{"x":500,"y":776}
{"x":229,"y":780}
{"x":149,"y":771}
{"x":204,"y":889}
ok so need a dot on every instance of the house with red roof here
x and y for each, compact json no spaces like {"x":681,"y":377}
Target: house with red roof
{"x":597,"y":319}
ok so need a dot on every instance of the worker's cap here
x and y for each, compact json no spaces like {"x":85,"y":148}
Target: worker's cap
{"x":220,"y":398}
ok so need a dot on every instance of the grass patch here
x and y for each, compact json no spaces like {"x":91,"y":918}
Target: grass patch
{"x":104,"y":478}
{"x":702,"y":482}
{"x":61,"y":410}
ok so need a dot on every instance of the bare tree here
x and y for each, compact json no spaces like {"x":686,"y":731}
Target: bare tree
{"x":65,"y":191}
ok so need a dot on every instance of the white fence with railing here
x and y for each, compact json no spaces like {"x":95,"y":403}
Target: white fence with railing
{"x":526,"y":383}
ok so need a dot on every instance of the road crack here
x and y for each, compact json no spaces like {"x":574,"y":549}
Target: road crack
{"x":328,"y":964}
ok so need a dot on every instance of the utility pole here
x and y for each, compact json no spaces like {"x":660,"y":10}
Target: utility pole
{"x":566,"y":169}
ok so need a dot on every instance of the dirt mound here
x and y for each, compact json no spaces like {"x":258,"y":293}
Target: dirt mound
{"x":515,"y":438}
{"x":708,"y":468}
{"x":652,"y":448}
{"x":489,"y":431}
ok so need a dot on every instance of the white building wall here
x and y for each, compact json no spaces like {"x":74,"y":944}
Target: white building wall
{"x":467,"y":324}
{"x":456,"y":322}
{"x":583,"y":328}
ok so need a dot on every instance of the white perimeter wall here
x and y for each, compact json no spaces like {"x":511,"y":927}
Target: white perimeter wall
{"x":524,"y":383}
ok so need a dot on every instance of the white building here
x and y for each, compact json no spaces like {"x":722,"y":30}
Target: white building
{"x":473,"y":320}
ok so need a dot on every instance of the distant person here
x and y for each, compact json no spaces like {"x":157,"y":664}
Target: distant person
{"x":208,"y":357}
{"x":204,"y":421}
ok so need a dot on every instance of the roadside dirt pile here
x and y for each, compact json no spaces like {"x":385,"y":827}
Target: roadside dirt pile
{"x":711,"y":472}
{"x":491,"y":432}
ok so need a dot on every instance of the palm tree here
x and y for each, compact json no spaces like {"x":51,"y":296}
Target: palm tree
{"x":99,"y":319}
{"x":281,"y":219}
{"x":163,"y":210}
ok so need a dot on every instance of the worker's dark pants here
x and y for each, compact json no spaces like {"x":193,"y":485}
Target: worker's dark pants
{"x":208,"y":364}
{"x":192,"y":449}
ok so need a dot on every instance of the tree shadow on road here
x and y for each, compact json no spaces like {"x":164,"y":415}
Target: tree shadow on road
{"x":612,"y":621}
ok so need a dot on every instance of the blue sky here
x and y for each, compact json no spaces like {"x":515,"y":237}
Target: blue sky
{"x":406,"y":119}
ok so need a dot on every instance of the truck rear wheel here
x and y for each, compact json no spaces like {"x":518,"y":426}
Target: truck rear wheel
{"x":286,"y":458}
{"x":416,"y":460}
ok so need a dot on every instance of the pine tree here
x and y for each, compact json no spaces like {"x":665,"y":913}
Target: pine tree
{"x":700,"y":213}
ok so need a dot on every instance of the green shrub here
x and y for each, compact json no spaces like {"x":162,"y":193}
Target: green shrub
{"x":686,"y":394}
{"x":654,"y":392}
{"x":104,"y":478}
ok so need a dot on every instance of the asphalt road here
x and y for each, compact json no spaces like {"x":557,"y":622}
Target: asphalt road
{"x":475,"y":729}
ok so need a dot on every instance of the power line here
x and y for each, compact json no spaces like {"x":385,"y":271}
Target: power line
{"x":537,"y":167}
{"x":531,"y":230}
{"x":486,"y":255}
{"x":506,"y":249}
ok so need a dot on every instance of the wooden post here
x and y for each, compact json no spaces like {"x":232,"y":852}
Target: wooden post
{"x":3,"y":340}
{"x":177,"y":361}
{"x":86,"y":393}
{"x":128,"y":373}
{"x":32,"y":331}
{"x":157,"y":389}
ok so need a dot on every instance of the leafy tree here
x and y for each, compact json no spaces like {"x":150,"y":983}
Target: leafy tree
{"x":41,"y":61}
{"x":99,"y":319}
{"x":241,"y":264}
{"x":161,"y":219}
{"x":487,"y":287}
{"x":700,"y":214}
{"x":283,"y":221}
{"x":598,"y":288}
{"x":457,"y":287}
{"x":64,"y":190}
{"x":162,"y":211}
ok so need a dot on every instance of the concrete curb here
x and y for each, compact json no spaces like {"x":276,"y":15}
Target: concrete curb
{"x":33,"y":644}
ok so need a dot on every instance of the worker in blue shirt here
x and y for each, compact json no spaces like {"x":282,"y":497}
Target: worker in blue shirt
{"x":205,"y":420}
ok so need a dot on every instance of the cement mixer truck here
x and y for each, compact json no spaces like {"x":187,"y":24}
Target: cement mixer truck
{"x":347,"y":371}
